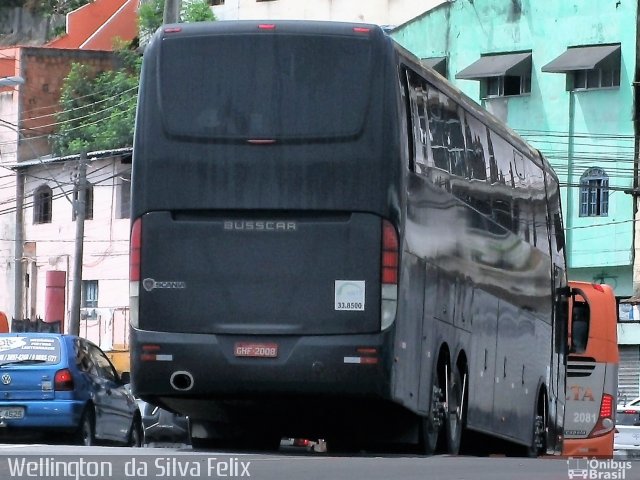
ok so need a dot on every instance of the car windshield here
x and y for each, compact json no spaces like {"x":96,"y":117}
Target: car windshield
{"x":23,"y":350}
{"x":628,"y":418}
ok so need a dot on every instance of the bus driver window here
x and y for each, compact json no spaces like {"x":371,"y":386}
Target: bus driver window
{"x":579,"y":327}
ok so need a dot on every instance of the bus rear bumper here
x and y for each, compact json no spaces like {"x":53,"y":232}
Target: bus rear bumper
{"x":598,"y":447}
{"x":196,"y":365}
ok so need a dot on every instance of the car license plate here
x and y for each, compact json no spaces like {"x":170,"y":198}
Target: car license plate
{"x":12,"y":412}
{"x":248,"y":349}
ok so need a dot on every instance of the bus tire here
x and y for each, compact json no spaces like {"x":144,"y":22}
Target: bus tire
{"x":456,"y":416}
{"x":430,"y":431}
{"x":429,"y":436}
{"x":538,"y":438}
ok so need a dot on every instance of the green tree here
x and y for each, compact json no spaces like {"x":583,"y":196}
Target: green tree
{"x":150,"y":15}
{"x":198,"y":11}
{"x":98,"y":110}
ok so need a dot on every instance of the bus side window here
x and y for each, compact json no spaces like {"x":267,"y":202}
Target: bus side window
{"x":579,"y":327}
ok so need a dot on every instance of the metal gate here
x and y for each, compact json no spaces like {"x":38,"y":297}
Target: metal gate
{"x":628,"y":373}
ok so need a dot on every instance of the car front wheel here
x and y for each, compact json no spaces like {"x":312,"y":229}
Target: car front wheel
{"x":86,"y":430}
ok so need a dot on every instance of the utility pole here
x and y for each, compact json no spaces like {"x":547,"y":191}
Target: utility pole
{"x":19,"y":247}
{"x":171,"y":12}
{"x":79,"y":208}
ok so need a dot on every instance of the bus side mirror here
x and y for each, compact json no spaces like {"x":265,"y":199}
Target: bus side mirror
{"x":562,"y":319}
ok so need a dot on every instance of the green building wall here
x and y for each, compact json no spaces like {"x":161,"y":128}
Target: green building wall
{"x":575,"y":130}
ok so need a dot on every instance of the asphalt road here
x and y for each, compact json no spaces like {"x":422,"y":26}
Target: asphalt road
{"x":67,"y":462}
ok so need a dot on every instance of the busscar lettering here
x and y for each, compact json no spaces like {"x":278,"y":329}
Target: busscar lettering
{"x":260,"y":225}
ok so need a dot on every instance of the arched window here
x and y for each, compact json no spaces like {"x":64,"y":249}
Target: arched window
{"x":42,"y":200}
{"x":88,"y":203}
{"x":594,"y":193}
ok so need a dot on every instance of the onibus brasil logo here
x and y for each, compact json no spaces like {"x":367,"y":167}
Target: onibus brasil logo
{"x":592,"y":468}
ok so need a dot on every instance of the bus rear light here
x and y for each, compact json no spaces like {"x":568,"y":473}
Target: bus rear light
{"x":389,"y":274}
{"x":361,"y":360}
{"x":134,"y":257}
{"x":63,"y":380}
{"x":155,"y":357}
{"x":389,"y":253}
{"x":606,"y":407}
{"x":134,"y":271}
{"x":367,"y":350}
{"x":605,"y":422}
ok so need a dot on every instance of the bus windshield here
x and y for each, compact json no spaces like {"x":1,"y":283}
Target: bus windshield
{"x":288,"y":90}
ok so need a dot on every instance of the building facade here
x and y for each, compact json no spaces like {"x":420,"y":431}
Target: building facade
{"x":563,"y":75}
{"x":36,"y":219}
{"x":381,"y":12}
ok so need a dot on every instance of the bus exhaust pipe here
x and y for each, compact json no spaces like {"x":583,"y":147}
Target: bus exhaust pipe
{"x":181,"y":381}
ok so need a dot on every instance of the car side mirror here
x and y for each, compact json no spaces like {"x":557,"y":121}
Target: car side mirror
{"x":125,"y":377}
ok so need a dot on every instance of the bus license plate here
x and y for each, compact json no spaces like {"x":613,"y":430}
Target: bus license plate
{"x":12,"y":412}
{"x":263,"y":350}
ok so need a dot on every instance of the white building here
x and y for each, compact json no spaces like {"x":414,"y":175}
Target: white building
{"x":381,"y":12}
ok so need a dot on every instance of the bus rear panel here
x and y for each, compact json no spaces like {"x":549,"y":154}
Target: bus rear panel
{"x":592,"y":372}
{"x":264,"y":243}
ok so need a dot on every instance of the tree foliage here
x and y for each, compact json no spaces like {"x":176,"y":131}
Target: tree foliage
{"x":98,"y":110}
{"x":198,"y":11}
{"x":150,"y":15}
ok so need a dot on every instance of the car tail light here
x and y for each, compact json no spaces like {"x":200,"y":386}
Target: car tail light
{"x":389,"y":274}
{"x":605,"y":421}
{"x":134,"y":270}
{"x":63,"y":381}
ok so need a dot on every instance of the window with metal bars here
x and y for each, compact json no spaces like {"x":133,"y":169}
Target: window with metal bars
{"x":89,"y":298}
{"x":594,"y":193}
{"x":42,"y":204}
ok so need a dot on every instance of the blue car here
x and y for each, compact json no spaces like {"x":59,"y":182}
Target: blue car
{"x":65,"y":385}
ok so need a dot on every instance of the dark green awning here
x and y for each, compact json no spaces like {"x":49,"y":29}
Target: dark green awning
{"x":439,"y":64}
{"x":497,"y":66}
{"x":584,"y":58}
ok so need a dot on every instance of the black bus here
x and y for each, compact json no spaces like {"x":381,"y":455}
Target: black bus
{"x":331,"y":241}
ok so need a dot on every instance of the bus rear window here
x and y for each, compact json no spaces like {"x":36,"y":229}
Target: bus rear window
{"x":273,"y":86}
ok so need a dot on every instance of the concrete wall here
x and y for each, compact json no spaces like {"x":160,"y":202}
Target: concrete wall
{"x":44,"y":71}
{"x":18,"y":26}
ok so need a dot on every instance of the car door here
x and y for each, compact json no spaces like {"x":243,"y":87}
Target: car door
{"x":113,"y":403}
